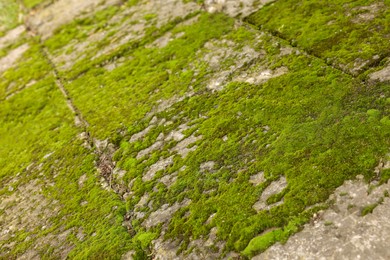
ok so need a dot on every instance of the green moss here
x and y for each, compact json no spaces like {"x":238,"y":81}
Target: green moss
{"x":333,"y":31}
{"x":31,"y":68}
{"x":140,"y":76}
{"x":36,"y":117}
{"x":9,"y":11}
{"x":324,"y":127}
{"x":385,"y":175}
{"x":80,"y":28}
{"x":145,"y":238}
{"x":33,"y":3}
{"x":261,"y":243}
{"x":320,"y":143}
{"x":321,"y":134}
{"x":35,"y":123}
{"x":370,"y":208}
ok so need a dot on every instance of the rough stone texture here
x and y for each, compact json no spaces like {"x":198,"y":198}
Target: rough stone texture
{"x":381,"y":75}
{"x":132,"y":29}
{"x":235,"y":7}
{"x":256,"y":77}
{"x":367,"y":13}
{"x":140,"y":135}
{"x":337,"y":233}
{"x":164,"y":11}
{"x":169,"y":180}
{"x":157,"y":145}
{"x":12,"y":57}
{"x":341,"y":232}
{"x":25,"y":210}
{"x":82,"y":180}
{"x":183,"y":148}
{"x":177,"y":135}
{"x":218,"y":52}
{"x":164,"y":214}
{"x":274,"y":188}
{"x":165,"y":39}
{"x":202,"y":248}
{"x":165,"y":104}
{"x":12,"y":36}
{"x":207,"y":166}
{"x":26,"y":198}
{"x":47,"y":20}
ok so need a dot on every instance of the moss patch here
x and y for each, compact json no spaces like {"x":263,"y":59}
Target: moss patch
{"x":350,"y":35}
{"x":9,"y":11}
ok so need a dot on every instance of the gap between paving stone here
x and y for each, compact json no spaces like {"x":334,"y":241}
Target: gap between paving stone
{"x":103,"y":149}
{"x":32,"y":32}
{"x":226,"y":6}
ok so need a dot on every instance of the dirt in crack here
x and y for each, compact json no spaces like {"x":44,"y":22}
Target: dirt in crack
{"x":106,"y":167}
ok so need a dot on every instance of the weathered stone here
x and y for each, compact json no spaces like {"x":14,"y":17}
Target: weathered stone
{"x":12,"y":57}
{"x":274,"y":188}
{"x":164,"y":214}
{"x":12,"y":36}
{"x":381,"y":75}
{"x":46,"y":20}
{"x":340,"y":232}
{"x":182,"y":147}
{"x":257,"y":178}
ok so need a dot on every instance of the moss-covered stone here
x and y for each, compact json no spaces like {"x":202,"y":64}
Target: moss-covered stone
{"x":180,"y":117}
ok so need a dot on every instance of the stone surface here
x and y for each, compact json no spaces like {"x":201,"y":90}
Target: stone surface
{"x":341,"y":232}
{"x":274,"y":188}
{"x":120,"y":33}
{"x":182,"y":148}
{"x":162,"y":164}
{"x":12,"y":36}
{"x":164,"y":214}
{"x":12,"y":57}
{"x":235,"y":7}
{"x":257,"y":178}
{"x":25,"y":210}
{"x":47,"y":20}
{"x":381,"y":75}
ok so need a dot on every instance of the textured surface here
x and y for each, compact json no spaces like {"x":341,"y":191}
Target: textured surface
{"x":216,"y":129}
{"x":341,"y":232}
